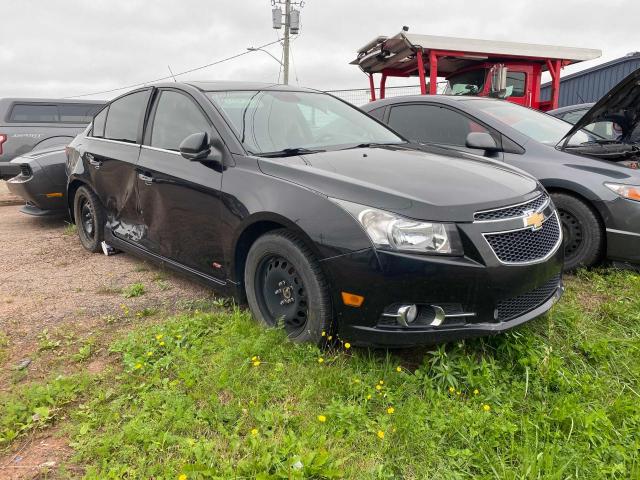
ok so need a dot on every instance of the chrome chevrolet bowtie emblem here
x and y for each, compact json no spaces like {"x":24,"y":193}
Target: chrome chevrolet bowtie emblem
{"x":534,"y":220}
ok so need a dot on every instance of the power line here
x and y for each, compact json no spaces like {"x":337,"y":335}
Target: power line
{"x":127,"y":87}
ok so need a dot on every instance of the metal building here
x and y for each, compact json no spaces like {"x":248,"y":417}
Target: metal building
{"x":591,"y":84}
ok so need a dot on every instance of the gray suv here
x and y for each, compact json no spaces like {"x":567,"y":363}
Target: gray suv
{"x":30,"y":123}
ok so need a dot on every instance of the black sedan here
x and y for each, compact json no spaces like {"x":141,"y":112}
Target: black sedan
{"x":598,"y":199}
{"x":322,"y":218}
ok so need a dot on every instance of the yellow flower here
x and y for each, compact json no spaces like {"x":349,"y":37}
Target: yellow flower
{"x":161,"y":344}
{"x":347,"y":345}
{"x":149,"y":354}
{"x":369,"y":397}
{"x":322,"y":418}
{"x":256,"y":363}
{"x":451,"y":389}
{"x":324,"y":334}
{"x":486,"y":407}
{"x":320,"y":360}
{"x":398,"y":369}
{"x":458,"y":392}
{"x":378,"y":387}
{"x":138,"y":366}
{"x":254,"y":431}
{"x":390,"y":410}
{"x":476,"y":391}
{"x":381,"y":382}
{"x":330,"y":337}
{"x":159,"y":336}
{"x":254,"y":358}
{"x":380,"y":434}
{"x":182,"y":477}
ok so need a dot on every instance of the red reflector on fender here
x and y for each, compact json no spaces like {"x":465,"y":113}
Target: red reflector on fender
{"x":351,"y":299}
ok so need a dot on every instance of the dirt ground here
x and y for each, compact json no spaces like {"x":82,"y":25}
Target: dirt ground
{"x":55,"y":299}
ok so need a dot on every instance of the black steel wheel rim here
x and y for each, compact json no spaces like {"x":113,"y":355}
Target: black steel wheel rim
{"x":281,"y":293}
{"x":572,"y":231}
{"x":87,"y":218}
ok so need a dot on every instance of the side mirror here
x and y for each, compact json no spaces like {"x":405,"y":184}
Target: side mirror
{"x":197,"y":148}
{"x":482,"y":141}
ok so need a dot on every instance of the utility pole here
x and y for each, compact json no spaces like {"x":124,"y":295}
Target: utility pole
{"x":291,"y":27}
{"x":285,"y":45}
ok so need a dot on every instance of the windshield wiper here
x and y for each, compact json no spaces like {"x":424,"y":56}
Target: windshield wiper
{"x":290,"y":152}
{"x":373,"y":144}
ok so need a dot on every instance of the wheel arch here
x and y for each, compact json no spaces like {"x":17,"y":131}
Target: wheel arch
{"x":252,"y":229}
{"x":72,"y":188}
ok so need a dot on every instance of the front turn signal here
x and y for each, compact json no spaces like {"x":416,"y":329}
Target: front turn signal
{"x":351,"y":299}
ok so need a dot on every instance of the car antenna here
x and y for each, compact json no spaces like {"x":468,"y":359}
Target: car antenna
{"x":174,"y":77}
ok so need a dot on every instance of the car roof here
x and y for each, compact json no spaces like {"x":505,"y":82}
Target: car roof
{"x":571,"y":108}
{"x":229,"y":85}
{"x":50,"y":100}
{"x":445,"y":99}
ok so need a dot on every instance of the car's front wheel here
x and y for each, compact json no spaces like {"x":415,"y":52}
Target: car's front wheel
{"x":285,"y":286}
{"x":89,"y":217}
{"x":582,"y":231}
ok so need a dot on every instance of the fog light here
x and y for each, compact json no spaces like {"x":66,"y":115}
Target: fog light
{"x":407,"y":314}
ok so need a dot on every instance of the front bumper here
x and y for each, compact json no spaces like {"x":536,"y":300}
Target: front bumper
{"x":475,"y":288}
{"x":623,"y":230}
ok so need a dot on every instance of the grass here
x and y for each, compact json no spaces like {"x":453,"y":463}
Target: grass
{"x":133,"y":290}
{"x":209,"y":394}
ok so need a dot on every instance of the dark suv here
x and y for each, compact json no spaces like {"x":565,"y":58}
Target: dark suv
{"x":321,"y":217}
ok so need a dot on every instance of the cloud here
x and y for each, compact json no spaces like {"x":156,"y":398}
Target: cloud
{"x":54,"y":48}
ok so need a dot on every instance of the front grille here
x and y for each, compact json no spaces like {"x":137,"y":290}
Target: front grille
{"x":526,"y":245}
{"x":25,"y":170}
{"x":513,"y":211}
{"x":516,"y":306}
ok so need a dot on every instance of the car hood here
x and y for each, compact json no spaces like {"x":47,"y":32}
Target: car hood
{"x":408,"y":182}
{"x":621,"y":105}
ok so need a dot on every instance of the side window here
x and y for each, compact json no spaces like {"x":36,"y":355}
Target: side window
{"x":125,"y":117}
{"x":377,"y":113}
{"x":33,"y":113}
{"x":77,"y":113}
{"x":98,"y":123}
{"x":433,"y":124}
{"x":574,"y":116}
{"x":516,"y":82}
{"x":176,"y":117}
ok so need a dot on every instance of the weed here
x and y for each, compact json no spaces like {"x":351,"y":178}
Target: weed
{"x":70,"y":229}
{"x":133,"y":290}
{"x":46,"y":342}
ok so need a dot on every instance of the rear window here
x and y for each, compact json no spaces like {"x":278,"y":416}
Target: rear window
{"x":53,"y":113}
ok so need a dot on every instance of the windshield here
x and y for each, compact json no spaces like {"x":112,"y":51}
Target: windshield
{"x":467,"y":83}
{"x":274,"y":121}
{"x":532,"y":123}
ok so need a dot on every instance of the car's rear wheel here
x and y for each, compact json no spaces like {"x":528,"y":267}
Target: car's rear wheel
{"x":89,"y":217}
{"x":582,"y":231}
{"x":285,"y":286}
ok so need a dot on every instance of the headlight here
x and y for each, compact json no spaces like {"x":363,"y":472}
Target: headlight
{"x":390,"y":231}
{"x":631,"y":192}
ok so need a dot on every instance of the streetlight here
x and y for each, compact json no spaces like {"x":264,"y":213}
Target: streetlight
{"x":253,"y":49}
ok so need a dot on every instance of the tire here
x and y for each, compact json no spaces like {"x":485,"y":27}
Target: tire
{"x":582,"y":231}
{"x":285,"y":285}
{"x":89,"y":218}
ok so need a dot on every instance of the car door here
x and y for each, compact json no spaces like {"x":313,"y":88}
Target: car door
{"x":437,"y":125}
{"x":110,"y":154}
{"x":180,"y":199}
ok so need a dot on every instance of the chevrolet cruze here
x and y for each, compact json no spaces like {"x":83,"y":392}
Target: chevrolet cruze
{"x":321,"y":218}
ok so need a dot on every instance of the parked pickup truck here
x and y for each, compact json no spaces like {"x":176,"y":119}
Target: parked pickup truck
{"x":34,"y":123}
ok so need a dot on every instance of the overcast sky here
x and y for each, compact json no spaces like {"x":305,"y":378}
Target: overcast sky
{"x":59,"y":48}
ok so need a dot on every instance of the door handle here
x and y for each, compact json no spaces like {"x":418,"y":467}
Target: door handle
{"x":147,"y":179}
